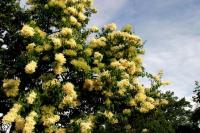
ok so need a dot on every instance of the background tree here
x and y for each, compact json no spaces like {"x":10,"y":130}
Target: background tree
{"x":61,"y":80}
{"x":192,"y":124}
{"x":196,"y":112}
{"x":169,"y":118}
{"x":178,"y":112}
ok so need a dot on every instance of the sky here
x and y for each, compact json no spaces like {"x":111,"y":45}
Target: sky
{"x":171,"y":29}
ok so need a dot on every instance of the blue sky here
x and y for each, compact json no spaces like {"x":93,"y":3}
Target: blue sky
{"x":171,"y":29}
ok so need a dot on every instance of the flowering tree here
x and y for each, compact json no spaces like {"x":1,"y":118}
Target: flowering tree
{"x":63,"y":80}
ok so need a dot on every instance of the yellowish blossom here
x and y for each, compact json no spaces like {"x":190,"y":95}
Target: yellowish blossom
{"x":11,"y":87}
{"x":68,"y":100}
{"x":27,"y":31}
{"x":47,"y":47}
{"x":80,"y":64}
{"x":86,"y":127}
{"x":131,"y":69}
{"x":66,"y":31}
{"x":30,"y":122}
{"x":48,"y":117}
{"x":71,"y":42}
{"x":71,"y":10}
{"x":58,"y":3}
{"x":123,"y":83}
{"x":143,"y":110}
{"x":111,"y":27}
{"x":60,"y":58}
{"x":50,"y":120}
{"x":30,"y":47}
{"x":115,"y":64}
{"x":68,"y":88}
{"x":145,"y":130}
{"x":121,"y":91}
{"x":140,"y":89}
{"x":140,"y":97}
{"x":88,"y":51}
{"x":129,"y":38}
{"x":163,"y":102}
{"x":81,"y":16}
{"x":94,"y":29}
{"x":126,"y":111}
{"x":12,"y":114}
{"x":31,"y":97}
{"x":59,"y":69}
{"x":158,"y":94}
{"x":48,"y":84}
{"x":147,"y":105}
{"x":41,"y":33}
{"x":30,"y":67}
{"x":19,"y":123}
{"x":98,"y":56}
{"x":151,"y":100}
{"x":108,"y":93}
{"x":100,"y":42}
{"x":57,"y":42}
{"x":60,"y":130}
{"x":73,"y":20}
{"x":108,"y":114}
{"x":105,"y":74}
{"x":70,"y":52}
{"x":132,"y":102}
{"x":88,"y":84}
{"x":39,"y":49}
